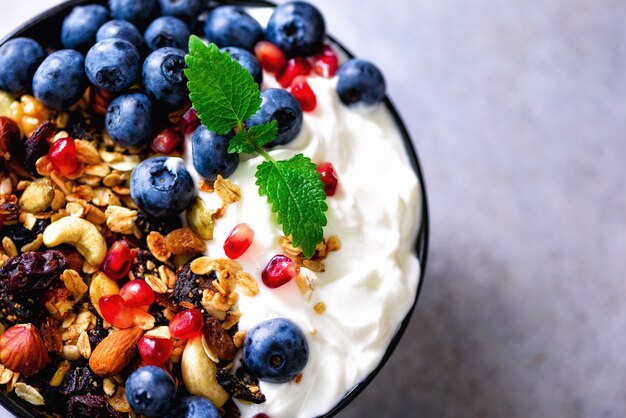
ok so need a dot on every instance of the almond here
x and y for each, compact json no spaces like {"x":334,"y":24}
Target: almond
{"x":22,"y":350}
{"x":114,"y":353}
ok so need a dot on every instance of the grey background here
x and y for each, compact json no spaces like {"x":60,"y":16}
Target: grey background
{"x":518,"y":110}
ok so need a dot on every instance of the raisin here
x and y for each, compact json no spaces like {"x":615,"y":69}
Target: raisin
{"x":185,"y":241}
{"x":91,"y":406}
{"x":159,"y":317}
{"x":189,"y":286}
{"x":55,"y":402}
{"x":79,"y":381}
{"x":51,"y":334}
{"x":143,"y":263}
{"x":18,"y":309}
{"x":98,"y":333}
{"x":37,"y":145}
{"x":10,"y":136}
{"x":22,"y":236}
{"x":146,"y":224}
{"x":218,"y":340}
{"x":9,"y":210}
{"x":79,"y":127}
{"x":33,"y":271}
{"x":239,"y":387}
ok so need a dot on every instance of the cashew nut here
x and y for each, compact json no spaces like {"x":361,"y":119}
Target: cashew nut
{"x":80,"y":233}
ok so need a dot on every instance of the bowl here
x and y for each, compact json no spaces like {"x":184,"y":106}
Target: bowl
{"x":45,"y":28}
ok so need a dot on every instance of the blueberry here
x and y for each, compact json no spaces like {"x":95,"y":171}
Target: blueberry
{"x":167,"y":31}
{"x":164,"y":78}
{"x":297,"y":28}
{"x":120,"y":29}
{"x":60,"y":79}
{"x":129,"y":119}
{"x":247,"y":61}
{"x":279,"y":105}
{"x":161,"y":187}
{"x":232,"y":26}
{"x":19,"y":59}
{"x":80,"y":26}
{"x":194,"y":407}
{"x":360,"y":82}
{"x":150,"y":391}
{"x":210,"y":154}
{"x":275,"y":350}
{"x":113,"y":65}
{"x":186,"y":10}
{"x":134,"y":11}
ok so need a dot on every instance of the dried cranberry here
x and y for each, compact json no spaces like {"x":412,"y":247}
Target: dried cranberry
{"x":91,"y":406}
{"x":33,"y":271}
{"x":189,"y":286}
{"x":37,"y":145}
{"x":10,"y":136}
{"x":79,"y":381}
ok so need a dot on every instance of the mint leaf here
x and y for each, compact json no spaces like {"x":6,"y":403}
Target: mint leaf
{"x":223,"y":92}
{"x":296,"y":192}
{"x":254,"y":138}
{"x":264,"y":134}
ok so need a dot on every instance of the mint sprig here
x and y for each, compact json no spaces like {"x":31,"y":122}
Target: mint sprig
{"x":225,"y":95}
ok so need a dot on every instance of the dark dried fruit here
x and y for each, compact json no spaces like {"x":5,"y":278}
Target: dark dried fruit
{"x":218,"y":340}
{"x":143,"y":263}
{"x":18,"y":309}
{"x":33,"y":271}
{"x":159,"y":317}
{"x":51,"y":334}
{"x":98,"y":333}
{"x":10,"y":136}
{"x":164,"y":226}
{"x":79,"y":381}
{"x":37,"y":145}
{"x":20,"y":235}
{"x":79,"y":127}
{"x":239,"y":387}
{"x":231,"y":410}
{"x":91,"y":406}
{"x":189,"y":286}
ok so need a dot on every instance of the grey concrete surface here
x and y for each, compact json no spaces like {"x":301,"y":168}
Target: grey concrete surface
{"x":518,"y":110}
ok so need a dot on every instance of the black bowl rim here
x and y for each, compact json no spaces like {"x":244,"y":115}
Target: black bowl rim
{"x":421,"y":241}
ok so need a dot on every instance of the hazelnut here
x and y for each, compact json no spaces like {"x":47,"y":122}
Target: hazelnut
{"x":22,"y":350}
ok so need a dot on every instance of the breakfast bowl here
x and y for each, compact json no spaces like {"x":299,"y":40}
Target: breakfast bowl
{"x":46,"y":29}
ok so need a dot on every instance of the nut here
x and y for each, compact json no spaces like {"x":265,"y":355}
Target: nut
{"x":199,"y":373}
{"x":29,"y":394}
{"x":200,"y":219}
{"x":22,"y":349}
{"x":100,"y":286}
{"x":80,"y":233}
{"x":114,"y":353}
{"x":37,"y":196}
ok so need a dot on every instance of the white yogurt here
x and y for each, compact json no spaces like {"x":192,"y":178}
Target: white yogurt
{"x":368,"y":286}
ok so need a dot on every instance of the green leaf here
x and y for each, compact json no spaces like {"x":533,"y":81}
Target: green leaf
{"x":264,"y":134}
{"x":296,"y":192}
{"x":255,"y":137}
{"x":223,"y":92}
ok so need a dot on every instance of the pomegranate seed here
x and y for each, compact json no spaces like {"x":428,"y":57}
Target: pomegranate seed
{"x":62,"y":155}
{"x":167,"y":141}
{"x":303,"y":93}
{"x":329,"y":178}
{"x":279,"y":271}
{"x":137,"y":294}
{"x":238,"y":241}
{"x":115,"y":311}
{"x":261,"y":416}
{"x":189,"y":122}
{"x":271,"y":57}
{"x":295,"y":67}
{"x":117,"y":262}
{"x":326,"y":63}
{"x":155,"y":351}
{"x":187,"y":324}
